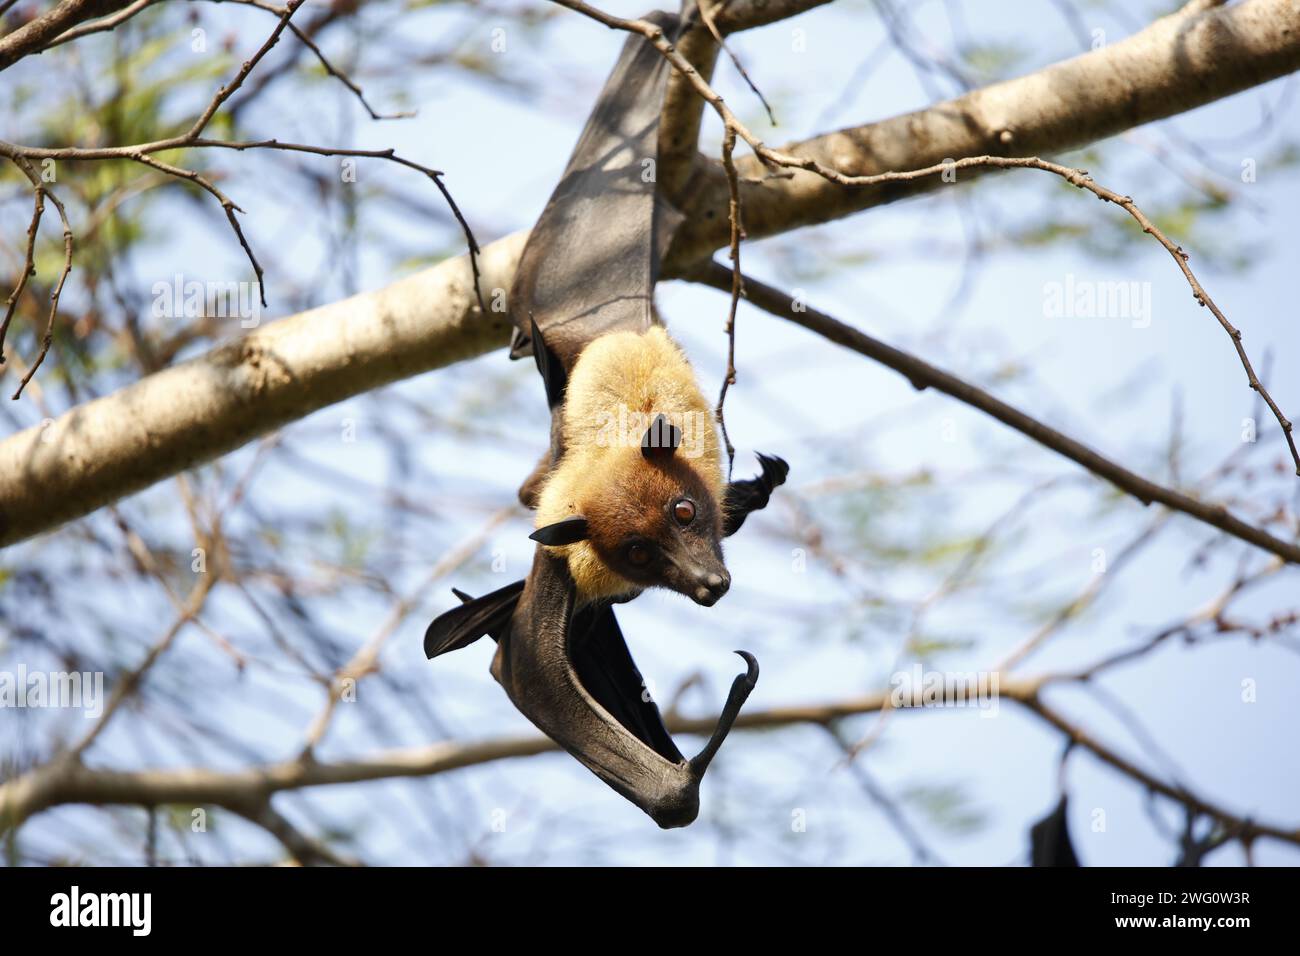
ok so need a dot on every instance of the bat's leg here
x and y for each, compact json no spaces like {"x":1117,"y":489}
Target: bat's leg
{"x":740,"y":688}
{"x":531,"y":489}
{"x":532,"y":485}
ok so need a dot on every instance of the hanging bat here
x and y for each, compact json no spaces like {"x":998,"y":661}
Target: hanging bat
{"x":631,"y":493}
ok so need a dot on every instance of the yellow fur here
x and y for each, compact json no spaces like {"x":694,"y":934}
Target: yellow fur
{"x":620,"y":382}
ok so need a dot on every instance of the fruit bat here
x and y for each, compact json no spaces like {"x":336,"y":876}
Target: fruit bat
{"x":1049,"y":839}
{"x":630,"y":493}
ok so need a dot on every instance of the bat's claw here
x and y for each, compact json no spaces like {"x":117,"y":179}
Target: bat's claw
{"x":751,"y":674}
{"x":740,"y":688}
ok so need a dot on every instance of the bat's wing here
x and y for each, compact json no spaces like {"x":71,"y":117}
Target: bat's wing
{"x":476,"y":617}
{"x":1049,"y":839}
{"x":604,"y":665}
{"x":591,"y":262}
{"x":572,"y":675}
{"x":753,"y":494}
{"x":600,"y":658}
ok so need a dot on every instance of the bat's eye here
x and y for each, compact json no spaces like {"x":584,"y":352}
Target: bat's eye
{"x":684,"y":511}
{"x":638,"y":554}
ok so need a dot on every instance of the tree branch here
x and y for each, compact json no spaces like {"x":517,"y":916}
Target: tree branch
{"x":202,"y":409}
{"x":924,"y":375}
{"x":1176,"y":64}
{"x":774,"y":159}
{"x":39,"y":33}
{"x":65,"y":780}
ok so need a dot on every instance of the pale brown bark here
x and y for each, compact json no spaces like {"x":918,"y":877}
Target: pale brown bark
{"x":1178,"y":63}
{"x":40,"y":32}
{"x":204,"y":408}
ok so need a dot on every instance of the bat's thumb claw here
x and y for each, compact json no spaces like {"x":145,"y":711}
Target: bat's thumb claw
{"x":751,"y":675}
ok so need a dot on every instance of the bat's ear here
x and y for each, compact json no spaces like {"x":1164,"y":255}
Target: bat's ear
{"x":660,"y":440}
{"x":568,"y":531}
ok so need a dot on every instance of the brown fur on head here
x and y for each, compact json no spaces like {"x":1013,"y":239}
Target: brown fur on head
{"x":651,"y":519}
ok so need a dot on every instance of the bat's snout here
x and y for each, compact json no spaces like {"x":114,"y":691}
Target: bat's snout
{"x":710,"y":586}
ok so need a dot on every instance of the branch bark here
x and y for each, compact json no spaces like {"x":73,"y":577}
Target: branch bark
{"x":193,"y":413}
{"x":67,"y":780}
{"x":1178,"y":63}
{"x":207,"y":407}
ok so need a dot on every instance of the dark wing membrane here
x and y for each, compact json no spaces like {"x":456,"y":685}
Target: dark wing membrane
{"x":604,"y":665}
{"x":569,"y":671}
{"x":462,"y":626}
{"x":550,"y":367}
{"x":592,"y":259}
{"x":752,"y":495}
{"x":1049,"y":839}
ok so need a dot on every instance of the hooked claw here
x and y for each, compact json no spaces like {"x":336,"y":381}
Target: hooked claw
{"x":740,"y":689}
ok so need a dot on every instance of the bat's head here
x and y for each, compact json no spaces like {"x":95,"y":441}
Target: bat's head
{"x":655,"y":520}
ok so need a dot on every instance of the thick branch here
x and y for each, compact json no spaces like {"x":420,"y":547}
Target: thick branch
{"x":1176,"y":64}
{"x":196,"y":412}
{"x":207,"y":407}
{"x":38,"y":34}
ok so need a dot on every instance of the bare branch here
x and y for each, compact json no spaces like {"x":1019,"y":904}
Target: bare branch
{"x":924,"y":375}
{"x":735,"y":60}
{"x":1064,"y":105}
{"x":1174,"y":65}
{"x":65,"y":781}
{"x":142,"y":153}
{"x":39,"y":33}
{"x":199,"y":410}
{"x":102,"y":25}
{"x":737,"y":288}
{"x":41,"y":192}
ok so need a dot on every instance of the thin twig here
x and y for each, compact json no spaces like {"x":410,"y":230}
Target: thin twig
{"x":366,"y":659}
{"x":193,"y":138}
{"x":48,"y":337}
{"x":102,"y":25}
{"x":735,"y":60}
{"x":737,"y":287}
{"x":28,"y":267}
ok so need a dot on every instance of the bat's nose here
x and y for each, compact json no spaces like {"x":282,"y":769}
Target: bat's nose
{"x":710,"y":586}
